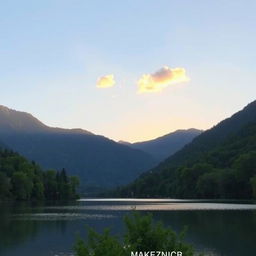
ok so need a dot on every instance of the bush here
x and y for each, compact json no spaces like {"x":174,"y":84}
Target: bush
{"x":142,"y":235}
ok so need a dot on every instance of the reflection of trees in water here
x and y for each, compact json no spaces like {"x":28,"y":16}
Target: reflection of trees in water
{"x":229,"y":232}
{"x":14,"y":231}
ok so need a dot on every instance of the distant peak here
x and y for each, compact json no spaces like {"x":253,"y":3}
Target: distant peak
{"x":4,"y":108}
{"x":190,"y":130}
{"x":124,"y":142}
{"x":19,"y":121}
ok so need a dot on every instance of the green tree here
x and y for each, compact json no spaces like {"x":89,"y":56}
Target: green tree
{"x":24,"y":180}
{"x":208,"y":185}
{"x":50,"y":185}
{"x":5,"y":185}
{"x":253,"y":184}
{"x":21,"y":186}
{"x":74,"y":183}
{"x":141,"y":235}
{"x":245,"y":165}
{"x":63,"y":176}
{"x":245,"y":168}
{"x":38,"y":191}
{"x":188,"y":177}
{"x":99,"y":244}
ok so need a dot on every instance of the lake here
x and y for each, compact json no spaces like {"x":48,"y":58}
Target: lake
{"x":215,"y":227}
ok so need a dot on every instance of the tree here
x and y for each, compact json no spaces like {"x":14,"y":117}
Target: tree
{"x":188,"y":177}
{"x":74,"y":183}
{"x":208,"y":185}
{"x":63,"y":176}
{"x":21,"y":179}
{"x":141,"y":235}
{"x":245,"y":166}
{"x":5,"y":185}
{"x":21,"y":186}
{"x":50,"y":185}
{"x":38,"y":191}
{"x":253,"y":184}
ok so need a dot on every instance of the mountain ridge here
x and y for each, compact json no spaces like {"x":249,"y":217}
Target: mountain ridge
{"x":168,"y":144}
{"x":95,"y":158}
{"x":11,"y":119}
{"x":231,"y":125}
{"x":166,"y":178}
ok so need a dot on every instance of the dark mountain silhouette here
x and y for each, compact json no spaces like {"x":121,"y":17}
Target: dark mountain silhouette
{"x":125,"y":142}
{"x":217,"y":148}
{"x":97,"y":160}
{"x":12,"y":121}
{"x":165,"y":146}
{"x":212,"y":137}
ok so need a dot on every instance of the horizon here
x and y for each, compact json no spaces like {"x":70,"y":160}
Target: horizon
{"x":74,"y":128}
{"x":128,"y":71}
{"x":124,"y":141}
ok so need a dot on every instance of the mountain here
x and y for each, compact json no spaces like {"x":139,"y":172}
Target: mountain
{"x":97,"y":160}
{"x":219,"y":163}
{"x":164,"y":146}
{"x":212,"y":137}
{"x":124,"y":142}
{"x":12,"y":121}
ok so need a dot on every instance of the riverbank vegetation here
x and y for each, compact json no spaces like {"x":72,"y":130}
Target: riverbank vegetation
{"x":21,"y":179}
{"x":142,"y":235}
{"x":226,"y":171}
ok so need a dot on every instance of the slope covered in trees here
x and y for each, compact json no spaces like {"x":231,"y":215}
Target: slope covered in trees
{"x":98,"y":161}
{"x":24,"y":180}
{"x":220,"y":163}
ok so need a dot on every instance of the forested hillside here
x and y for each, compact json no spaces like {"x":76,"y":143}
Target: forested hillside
{"x":24,"y":180}
{"x":220,"y":163}
{"x":97,"y":160}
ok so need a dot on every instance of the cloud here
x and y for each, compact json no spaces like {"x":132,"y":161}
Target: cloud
{"x":161,"y":79}
{"x":106,"y":81}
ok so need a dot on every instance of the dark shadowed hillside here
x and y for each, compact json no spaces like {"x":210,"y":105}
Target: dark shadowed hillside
{"x":219,"y":163}
{"x":212,"y":137}
{"x":95,"y":159}
{"x":165,"y":146}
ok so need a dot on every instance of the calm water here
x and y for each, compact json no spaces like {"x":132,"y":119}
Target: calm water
{"x":214,"y":227}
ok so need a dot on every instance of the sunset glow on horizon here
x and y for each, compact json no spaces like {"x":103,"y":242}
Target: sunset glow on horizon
{"x":128,"y":70}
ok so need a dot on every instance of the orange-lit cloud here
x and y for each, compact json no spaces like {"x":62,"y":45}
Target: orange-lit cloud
{"x":161,"y":79}
{"x":106,"y":81}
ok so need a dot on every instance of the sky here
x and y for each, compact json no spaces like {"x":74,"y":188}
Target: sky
{"x":128,"y":70}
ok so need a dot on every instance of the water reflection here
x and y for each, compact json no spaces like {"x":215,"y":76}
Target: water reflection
{"x":218,"y":228}
{"x":59,"y":216}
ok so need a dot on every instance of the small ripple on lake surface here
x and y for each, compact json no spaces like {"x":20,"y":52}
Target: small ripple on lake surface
{"x":171,"y":207}
{"x":216,"y":227}
{"x":151,"y":205}
{"x":60,"y":216}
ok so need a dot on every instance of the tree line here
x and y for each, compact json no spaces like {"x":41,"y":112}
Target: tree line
{"x":226,"y":171}
{"x":21,"y":179}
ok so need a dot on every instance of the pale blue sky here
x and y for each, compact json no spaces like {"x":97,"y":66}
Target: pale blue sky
{"x":52,"y":53}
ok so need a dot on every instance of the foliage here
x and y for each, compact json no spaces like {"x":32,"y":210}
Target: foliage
{"x":24,"y":180}
{"x":141,"y":235}
{"x":97,"y":160}
{"x":228,"y":170}
{"x":253,"y":184}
